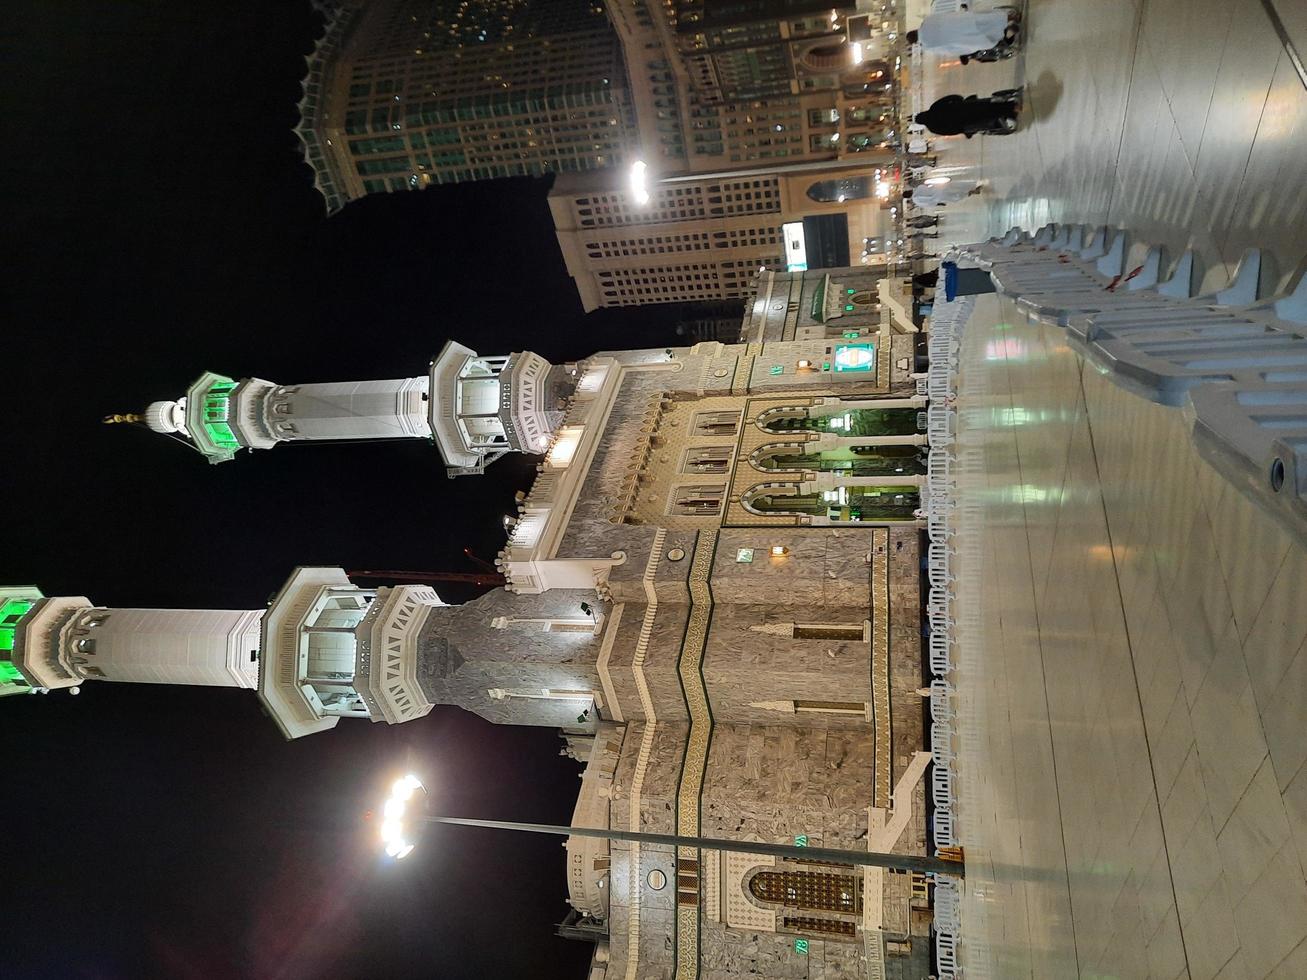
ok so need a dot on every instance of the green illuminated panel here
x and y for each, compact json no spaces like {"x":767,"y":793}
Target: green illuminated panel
{"x":855,"y":357}
{"x":208,"y":417}
{"x":11,"y":611}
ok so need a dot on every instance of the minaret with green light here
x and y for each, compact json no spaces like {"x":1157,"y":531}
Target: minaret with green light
{"x":322,"y":650}
{"x":14,"y":605}
{"x":474,"y":408}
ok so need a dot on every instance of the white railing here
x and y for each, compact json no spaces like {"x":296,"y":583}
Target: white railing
{"x":941,"y":505}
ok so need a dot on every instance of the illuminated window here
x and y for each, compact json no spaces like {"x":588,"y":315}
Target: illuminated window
{"x":809,"y":890}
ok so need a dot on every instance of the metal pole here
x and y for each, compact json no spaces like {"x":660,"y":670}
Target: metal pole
{"x":875,"y":859}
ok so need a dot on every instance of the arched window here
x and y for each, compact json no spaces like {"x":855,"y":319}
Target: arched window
{"x":808,"y":890}
{"x":838,"y":189}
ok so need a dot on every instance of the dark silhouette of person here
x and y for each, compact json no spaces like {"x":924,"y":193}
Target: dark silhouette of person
{"x":954,"y":115}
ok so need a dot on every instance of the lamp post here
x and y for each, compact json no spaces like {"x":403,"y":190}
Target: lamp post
{"x":874,"y":859}
{"x":395,"y":814}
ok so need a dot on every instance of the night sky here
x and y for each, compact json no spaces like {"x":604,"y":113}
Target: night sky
{"x":160,"y":223}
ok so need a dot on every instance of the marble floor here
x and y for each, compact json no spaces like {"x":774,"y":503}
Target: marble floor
{"x":1182,"y":120}
{"x":1132,"y":773}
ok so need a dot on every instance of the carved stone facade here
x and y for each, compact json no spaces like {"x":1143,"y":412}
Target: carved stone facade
{"x":758,"y":669}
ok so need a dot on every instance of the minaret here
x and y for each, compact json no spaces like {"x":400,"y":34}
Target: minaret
{"x":474,"y":408}
{"x":323,"y":650}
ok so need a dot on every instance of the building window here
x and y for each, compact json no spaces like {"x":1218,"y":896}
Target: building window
{"x":858,"y":708}
{"x":85,"y":645}
{"x":808,"y":890}
{"x":829,"y":631}
{"x":716,"y":423}
{"x":698,"y":501}
{"x":709,"y":459}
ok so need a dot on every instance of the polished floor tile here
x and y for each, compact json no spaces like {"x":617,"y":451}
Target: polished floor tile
{"x":1181,"y":120}
{"x":1132,"y":770}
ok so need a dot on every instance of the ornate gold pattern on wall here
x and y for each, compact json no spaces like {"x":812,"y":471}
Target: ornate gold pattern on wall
{"x":880,"y":666}
{"x":690,"y":790}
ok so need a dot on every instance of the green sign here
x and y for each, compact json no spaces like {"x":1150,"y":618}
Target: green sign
{"x":776,"y":369}
{"x":851,"y":335}
{"x":801,"y":947}
{"x":801,"y":840}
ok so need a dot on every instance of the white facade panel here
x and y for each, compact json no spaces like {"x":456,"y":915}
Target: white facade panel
{"x":217,"y":648}
{"x":352,"y":410}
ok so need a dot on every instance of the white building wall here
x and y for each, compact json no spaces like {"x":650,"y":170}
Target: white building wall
{"x":167,"y":646}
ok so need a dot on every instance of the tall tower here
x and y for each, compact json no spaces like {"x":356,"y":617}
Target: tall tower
{"x":323,"y":650}
{"x":474,"y":408}
{"x":403,"y":94}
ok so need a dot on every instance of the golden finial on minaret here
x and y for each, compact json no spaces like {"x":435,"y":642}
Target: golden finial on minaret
{"x":118,"y":419}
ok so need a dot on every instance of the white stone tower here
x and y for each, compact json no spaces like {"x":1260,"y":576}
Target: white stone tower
{"x":474,"y":408}
{"x":323,"y":650}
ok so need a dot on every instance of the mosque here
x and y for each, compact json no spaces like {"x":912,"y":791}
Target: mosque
{"x":713,"y":588}
{"x":1032,"y":588}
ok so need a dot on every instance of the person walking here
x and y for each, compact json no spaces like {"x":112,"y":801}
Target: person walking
{"x":935,"y":195}
{"x":965,"y":32}
{"x":955,"y":115}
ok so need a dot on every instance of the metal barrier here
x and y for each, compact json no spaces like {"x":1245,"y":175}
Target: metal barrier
{"x":1234,"y":359}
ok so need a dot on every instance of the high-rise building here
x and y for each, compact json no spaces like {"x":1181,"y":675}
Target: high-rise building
{"x":707,"y":237}
{"x":754,"y":82}
{"x":401,"y":94}
{"x":713,"y":586}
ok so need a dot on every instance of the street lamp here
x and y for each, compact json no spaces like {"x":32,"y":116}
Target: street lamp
{"x":398,"y":846}
{"x":639,"y":180}
{"x":393,"y":812}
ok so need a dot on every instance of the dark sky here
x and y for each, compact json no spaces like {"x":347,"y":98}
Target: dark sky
{"x":159,"y":223}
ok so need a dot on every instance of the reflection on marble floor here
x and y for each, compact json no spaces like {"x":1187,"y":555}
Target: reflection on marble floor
{"x":1133,"y":701}
{"x":1182,"y":120}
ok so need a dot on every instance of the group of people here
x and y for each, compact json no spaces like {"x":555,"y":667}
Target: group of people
{"x":985,"y":35}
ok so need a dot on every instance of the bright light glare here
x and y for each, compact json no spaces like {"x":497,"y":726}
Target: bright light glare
{"x":404,"y":852}
{"x":937,"y":181}
{"x":394,"y":808}
{"x":640,"y":183}
{"x":857,"y":52}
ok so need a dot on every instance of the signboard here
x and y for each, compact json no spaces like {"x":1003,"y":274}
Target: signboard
{"x":801,"y":947}
{"x":801,"y":840}
{"x":855,"y":357}
{"x":796,"y":249}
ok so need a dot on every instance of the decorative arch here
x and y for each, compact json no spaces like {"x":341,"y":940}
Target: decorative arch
{"x":857,"y":504}
{"x":870,"y":422}
{"x":848,"y":460}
